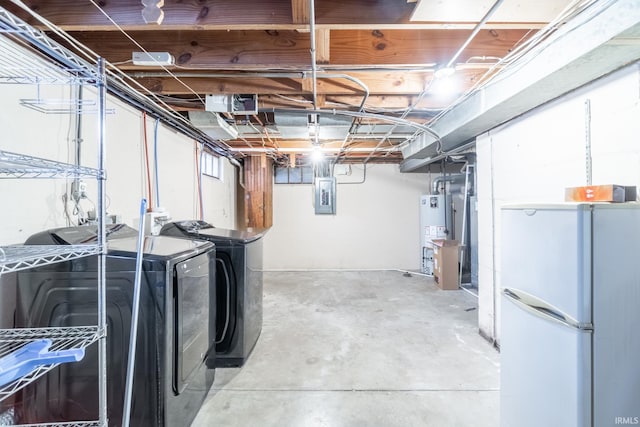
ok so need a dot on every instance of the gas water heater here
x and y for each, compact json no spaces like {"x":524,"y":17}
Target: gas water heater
{"x":435,"y":223}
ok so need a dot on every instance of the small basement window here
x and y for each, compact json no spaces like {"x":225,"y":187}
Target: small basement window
{"x":297,"y":175}
{"x":211,"y":165}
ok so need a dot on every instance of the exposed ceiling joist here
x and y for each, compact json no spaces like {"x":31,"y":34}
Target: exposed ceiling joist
{"x":289,"y":49}
{"x":300,"y":11}
{"x":378,"y":51}
{"x":73,"y":15}
{"x":389,"y":82}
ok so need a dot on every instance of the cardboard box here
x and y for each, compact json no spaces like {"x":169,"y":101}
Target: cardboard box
{"x":445,"y":263}
{"x":601,"y":193}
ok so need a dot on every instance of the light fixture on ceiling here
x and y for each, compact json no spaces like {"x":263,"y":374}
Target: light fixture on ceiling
{"x":316,"y":155}
{"x":444,"y":72}
{"x":445,"y":88}
{"x":152,"y":12}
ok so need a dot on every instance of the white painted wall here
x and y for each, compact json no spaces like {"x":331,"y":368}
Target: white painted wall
{"x":29,"y":206}
{"x":535,"y":157}
{"x":376,"y":225}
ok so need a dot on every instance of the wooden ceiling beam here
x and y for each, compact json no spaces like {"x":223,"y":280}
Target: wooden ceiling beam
{"x":300,"y":11}
{"x":323,"y":47}
{"x":379,"y":84}
{"x":391,"y":82}
{"x":290,"y":49}
{"x":73,"y":15}
{"x":418,"y":46}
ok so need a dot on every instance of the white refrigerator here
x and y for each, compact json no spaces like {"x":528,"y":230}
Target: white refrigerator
{"x":570,"y":324}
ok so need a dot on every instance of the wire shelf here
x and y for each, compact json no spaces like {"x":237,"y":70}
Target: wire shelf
{"x":29,"y":76}
{"x":73,"y":424}
{"x":21,"y":64}
{"x":12,"y":340}
{"x":63,"y":106}
{"x":34,"y":69}
{"x":14,"y":165}
{"x":60,"y":106}
{"x":15,"y":258}
{"x":29,"y":56}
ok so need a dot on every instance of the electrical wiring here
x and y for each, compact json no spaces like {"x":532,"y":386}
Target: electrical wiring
{"x":525,"y":52}
{"x":287,"y":98}
{"x":500,"y":69}
{"x":488,"y":58}
{"x":142,"y":95}
{"x":128,"y":61}
{"x":178,"y":101}
{"x":144,"y":50}
{"x":65,"y":204}
{"x":252,"y":126}
{"x":178,"y":98}
{"x":572,"y":10}
{"x":245,"y":141}
{"x":422,"y":94}
{"x":124,"y":83}
{"x":408,"y":68}
{"x":65,"y":200}
{"x":266,"y":132}
{"x":92,"y":204}
{"x":74,"y":92}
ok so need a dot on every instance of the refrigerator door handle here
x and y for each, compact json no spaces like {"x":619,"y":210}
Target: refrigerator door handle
{"x":541,"y":309}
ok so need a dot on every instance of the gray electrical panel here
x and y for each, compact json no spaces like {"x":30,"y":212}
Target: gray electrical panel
{"x":325,"y":200}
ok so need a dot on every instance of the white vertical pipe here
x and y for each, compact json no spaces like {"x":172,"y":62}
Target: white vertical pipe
{"x":314,"y":68}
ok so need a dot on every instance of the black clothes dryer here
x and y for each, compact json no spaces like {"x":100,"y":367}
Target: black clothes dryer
{"x":238,"y":286}
{"x":174,"y":332}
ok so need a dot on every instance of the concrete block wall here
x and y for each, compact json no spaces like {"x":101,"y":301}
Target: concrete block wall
{"x":536,"y":156}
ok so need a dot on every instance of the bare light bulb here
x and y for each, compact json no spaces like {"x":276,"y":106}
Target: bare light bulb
{"x":444,"y":72}
{"x":316,"y":154}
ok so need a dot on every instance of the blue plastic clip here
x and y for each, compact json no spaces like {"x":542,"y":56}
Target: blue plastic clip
{"x":28,"y":357}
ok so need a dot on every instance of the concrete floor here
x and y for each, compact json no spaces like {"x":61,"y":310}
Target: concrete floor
{"x":360,"y":349}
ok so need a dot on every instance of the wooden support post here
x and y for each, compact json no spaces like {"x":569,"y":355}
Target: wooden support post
{"x":258,"y":178}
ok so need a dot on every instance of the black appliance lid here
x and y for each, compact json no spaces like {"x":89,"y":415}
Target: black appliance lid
{"x":89,"y":233}
{"x":159,"y":246}
{"x":204,"y":230}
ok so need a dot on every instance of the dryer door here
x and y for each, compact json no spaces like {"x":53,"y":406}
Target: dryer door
{"x":191,"y":318}
{"x":226,"y":290}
